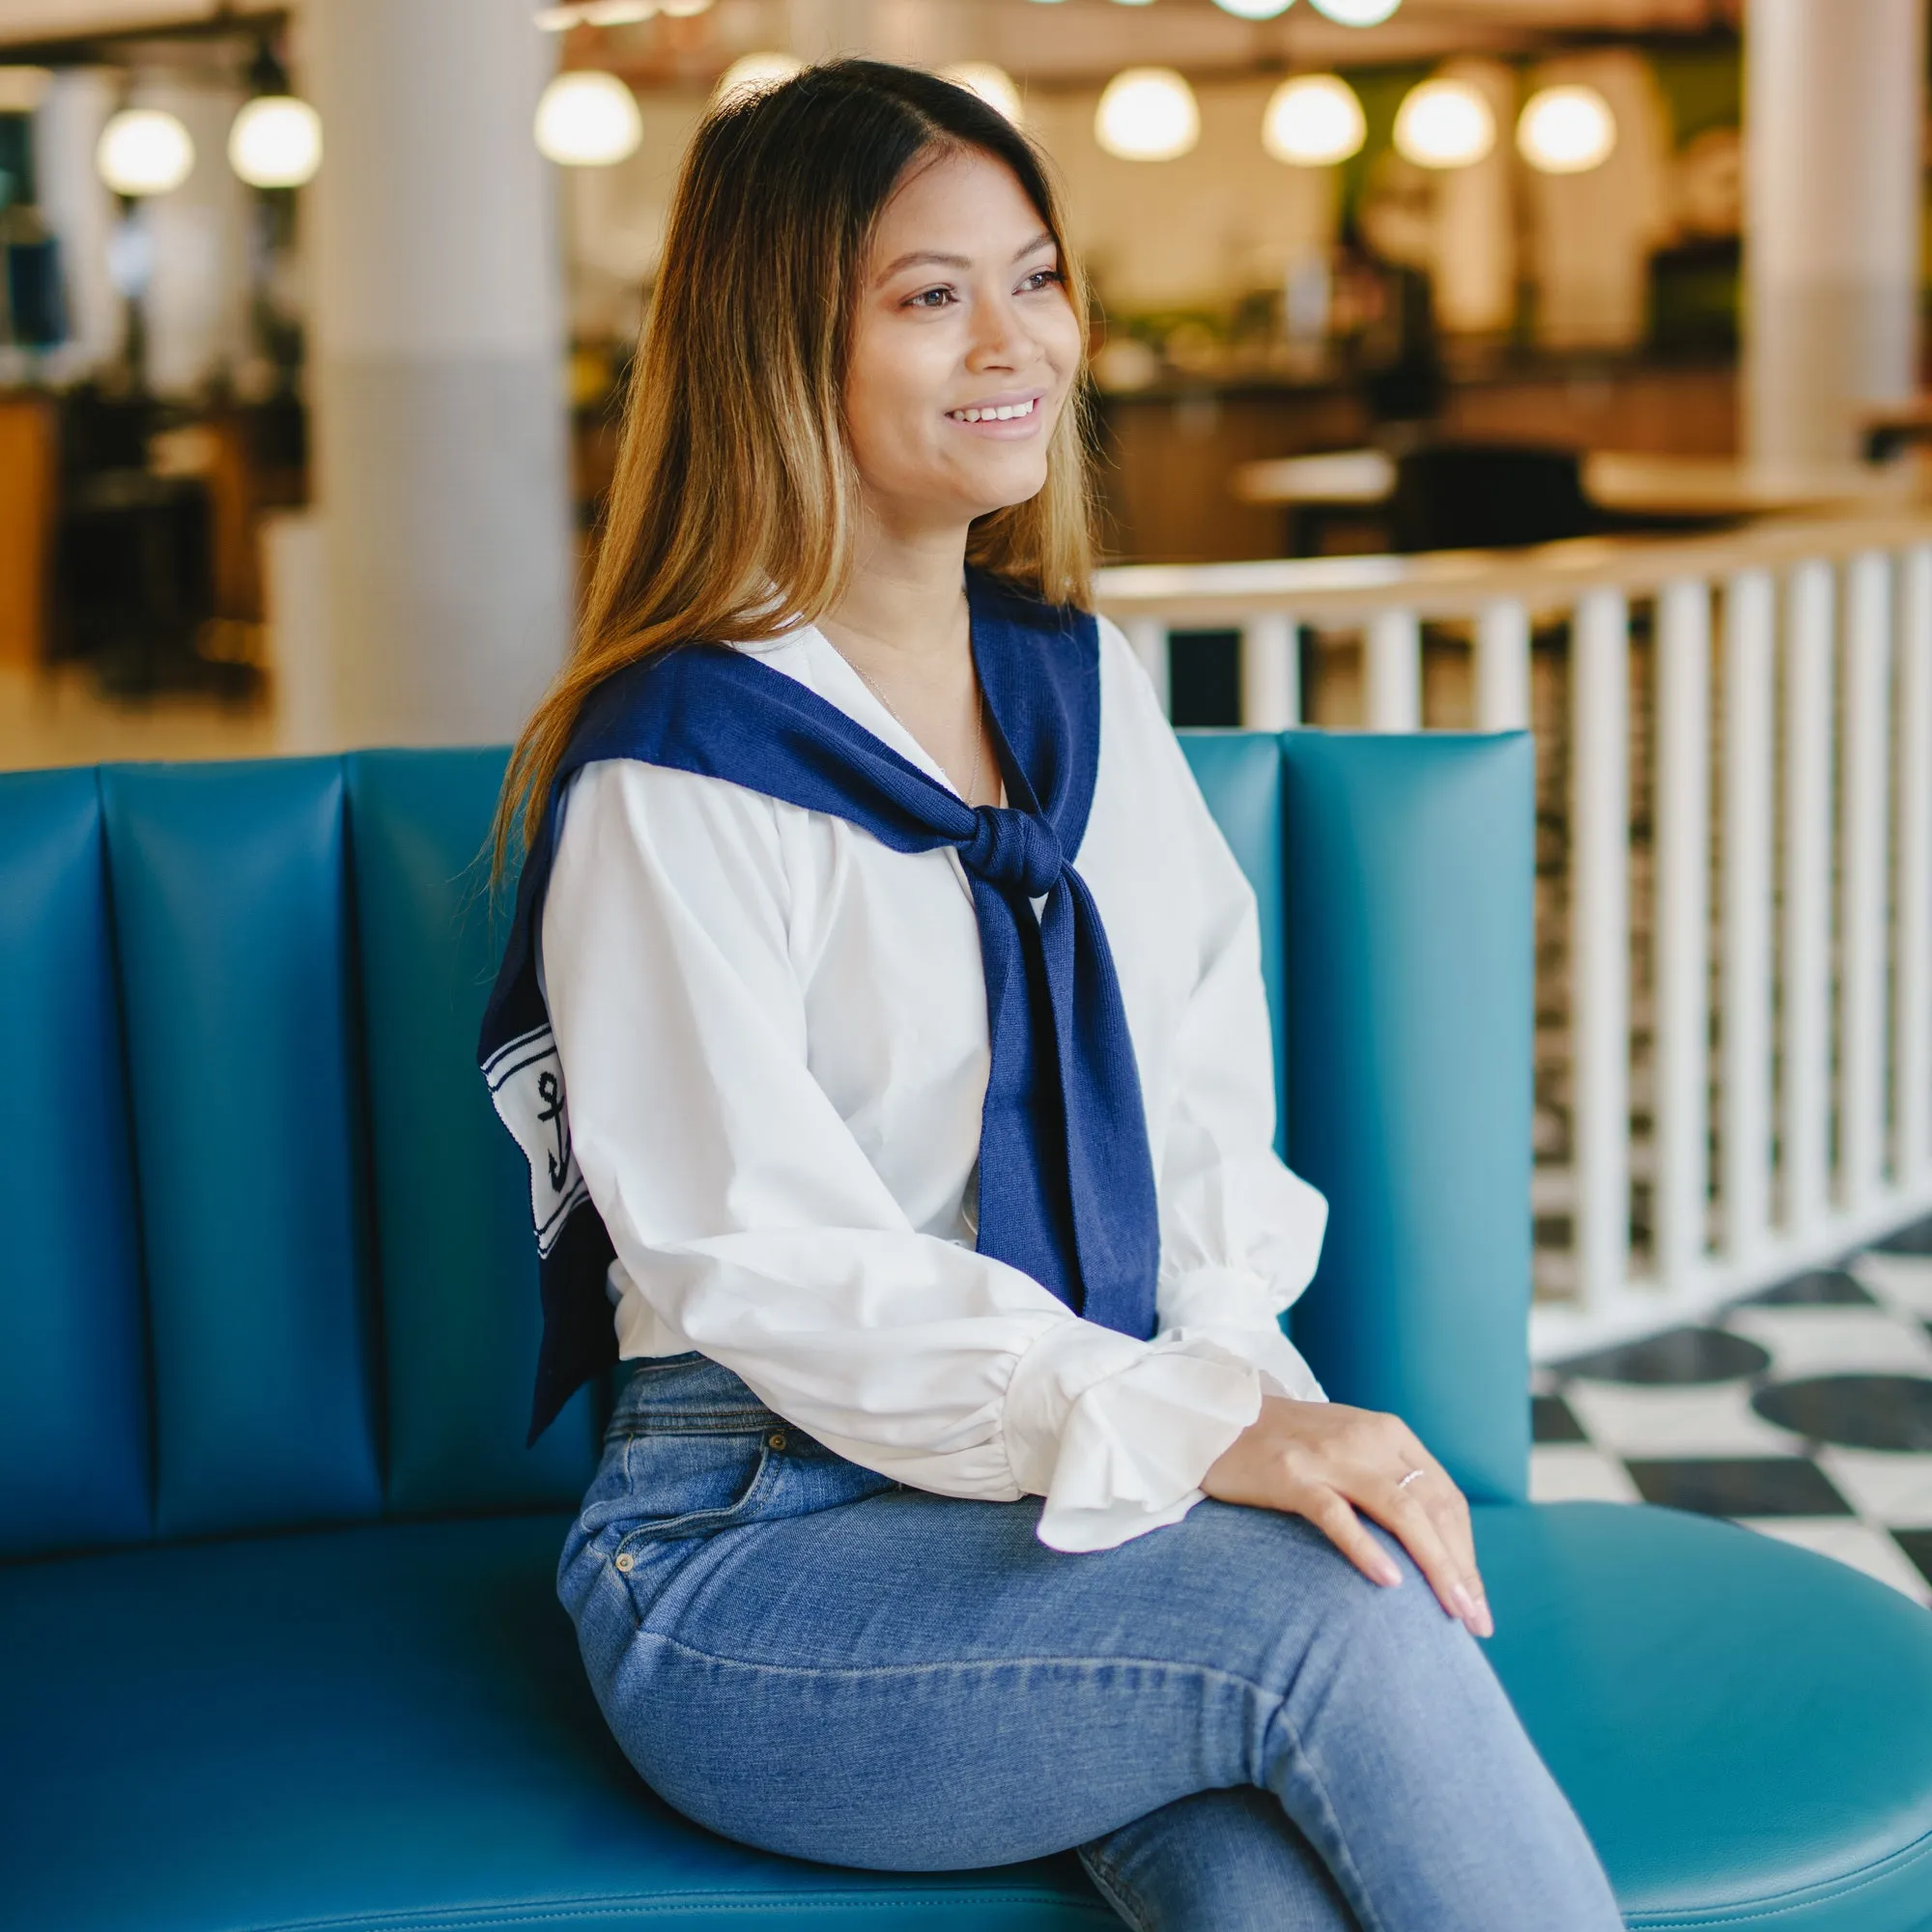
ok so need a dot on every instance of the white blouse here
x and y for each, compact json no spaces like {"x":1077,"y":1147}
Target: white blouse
{"x":773,"y":1033}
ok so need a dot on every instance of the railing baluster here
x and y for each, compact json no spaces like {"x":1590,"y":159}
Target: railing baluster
{"x":1271,"y":672}
{"x":1600,"y":940}
{"x":1912,"y":981}
{"x":1502,"y":666}
{"x":1683,"y":930}
{"x":1865,"y":878}
{"x":1751,"y":612}
{"x":1392,"y":670}
{"x":1148,"y":637}
{"x":1806,"y":1004}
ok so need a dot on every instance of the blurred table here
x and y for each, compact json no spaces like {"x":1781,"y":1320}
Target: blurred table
{"x":1624,"y":482}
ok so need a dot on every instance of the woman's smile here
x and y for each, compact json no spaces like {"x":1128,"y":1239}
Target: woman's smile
{"x":1011,"y":418}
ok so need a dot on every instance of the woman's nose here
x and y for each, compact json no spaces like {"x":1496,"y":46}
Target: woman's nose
{"x":1001,"y":338}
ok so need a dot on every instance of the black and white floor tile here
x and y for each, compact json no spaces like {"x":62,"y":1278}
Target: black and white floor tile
{"x":1804,"y":1411}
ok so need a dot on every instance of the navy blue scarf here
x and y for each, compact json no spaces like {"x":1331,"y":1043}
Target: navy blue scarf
{"x":1066,"y":1190}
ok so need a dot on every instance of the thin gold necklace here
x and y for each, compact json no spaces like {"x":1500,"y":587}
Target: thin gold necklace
{"x":971,"y":793}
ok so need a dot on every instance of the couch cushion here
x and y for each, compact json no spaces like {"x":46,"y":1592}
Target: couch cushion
{"x":383,"y":1726}
{"x":1410,"y":1001}
{"x":230,"y":898}
{"x":460,"y":1317}
{"x":1239,"y":776}
{"x":1744,"y":1728}
{"x":73,"y":1371}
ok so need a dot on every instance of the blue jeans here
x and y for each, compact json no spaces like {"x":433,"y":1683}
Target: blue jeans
{"x":1235,"y":1727}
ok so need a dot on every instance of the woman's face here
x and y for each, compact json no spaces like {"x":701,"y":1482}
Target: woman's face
{"x":964,"y":346}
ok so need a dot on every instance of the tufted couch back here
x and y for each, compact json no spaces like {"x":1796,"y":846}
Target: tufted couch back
{"x":268,"y":1262}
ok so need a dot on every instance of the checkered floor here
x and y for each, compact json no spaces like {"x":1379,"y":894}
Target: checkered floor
{"x":1804,"y":1411}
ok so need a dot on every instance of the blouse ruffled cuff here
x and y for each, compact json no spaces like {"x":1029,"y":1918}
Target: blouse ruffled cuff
{"x":1239,"y":1311}
{"x":1117,"y":1435}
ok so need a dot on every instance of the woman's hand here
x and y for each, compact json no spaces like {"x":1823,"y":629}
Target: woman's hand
{"x":1325,"y":1460}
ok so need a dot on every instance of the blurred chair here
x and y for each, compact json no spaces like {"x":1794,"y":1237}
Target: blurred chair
{"x":1488,"y":495}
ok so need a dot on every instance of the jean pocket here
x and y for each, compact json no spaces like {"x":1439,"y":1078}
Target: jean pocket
{"x":681,"y":1485}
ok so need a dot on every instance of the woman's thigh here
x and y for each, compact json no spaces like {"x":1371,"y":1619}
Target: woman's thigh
{"x":914,"y":1681}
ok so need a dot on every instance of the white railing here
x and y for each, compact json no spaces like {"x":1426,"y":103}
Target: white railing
{"x":1735,"y":914}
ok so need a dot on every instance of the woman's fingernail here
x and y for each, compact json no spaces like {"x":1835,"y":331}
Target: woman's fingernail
{"x":1386,"y":1573}
{"x":1466,"y":1608}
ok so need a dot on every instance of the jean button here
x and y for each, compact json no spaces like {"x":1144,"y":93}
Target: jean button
{"x":626,"y":1561}
{"x":775,"y":1438}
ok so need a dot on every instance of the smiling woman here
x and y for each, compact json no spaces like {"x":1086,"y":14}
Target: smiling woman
{"x":882,"y":1018}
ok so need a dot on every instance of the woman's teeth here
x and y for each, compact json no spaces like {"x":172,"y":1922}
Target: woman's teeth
{"x":1005,"y":412}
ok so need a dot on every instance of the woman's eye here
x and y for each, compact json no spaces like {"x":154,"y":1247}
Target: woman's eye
{"x":931,"y":299}
{"x":1041,"y":278}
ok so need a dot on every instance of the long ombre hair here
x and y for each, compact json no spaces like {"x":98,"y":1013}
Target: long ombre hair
{"x":734,"y":507}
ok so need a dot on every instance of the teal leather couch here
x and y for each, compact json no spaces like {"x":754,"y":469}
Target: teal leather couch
{"x":279,"y":1643}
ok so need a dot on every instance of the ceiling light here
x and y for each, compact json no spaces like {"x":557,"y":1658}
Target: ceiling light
{"x":1314,"y":121}
{"x":587,"y":118}
{"x":275,"y":142}
{"x":752,"y":74}
{"x":596,"y":14}
{"x":144,"y":151}
{"x":1356,"y":13}
{"x":1147,"y":114}
{"x":1565,"y":130}
{"x":23,"y":89}
{"x":1444,"y":124}
{"x":994,"y":85}
{"x":1254,"y":10}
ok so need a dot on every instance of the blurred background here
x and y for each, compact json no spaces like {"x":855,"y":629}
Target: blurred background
{"x":315,"y":317}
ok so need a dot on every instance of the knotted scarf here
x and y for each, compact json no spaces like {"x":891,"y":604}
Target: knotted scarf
{"x":1065,"y":1183}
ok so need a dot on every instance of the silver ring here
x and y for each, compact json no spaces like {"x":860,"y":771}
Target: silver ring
{"x":1408,"y":1479}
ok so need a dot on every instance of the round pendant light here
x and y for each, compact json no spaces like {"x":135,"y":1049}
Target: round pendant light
{"x":1565,"y":130}
{"x":1254,"y":10}
{"x":586,"y":119}
{"x":1314,"y":121}
{"x":756,"y":72}
{"x":1444,"y":124}
{"x":275,"y":142}
{"x":1356,"y":13}
{"x":994,"y":85}
{"x":1147,"y":114}
{"x":144,"y":151}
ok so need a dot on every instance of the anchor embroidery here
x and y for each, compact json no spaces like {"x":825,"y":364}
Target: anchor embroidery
{"x":550,"y":1090}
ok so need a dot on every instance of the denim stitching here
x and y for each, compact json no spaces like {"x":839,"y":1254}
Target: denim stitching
{"x":681,"y":1525}
{"x":1206,"y":1672}
{"x":1307,"y":1763}
{"x":1115,"y":1889}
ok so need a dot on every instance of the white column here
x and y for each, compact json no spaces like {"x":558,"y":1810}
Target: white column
{"x":1911,"y":985}
{"x":1750,"y":646}
{"x":1805,"y":1145}
{"x":1503,"y":667}
{"x":1835,"y":92}
{"x":438,"y":378}
{"x":1392,"y":671}
{"x":1600,"y":938}
{"x":1683,"y":930}
{"x":196,"y":308}
{"x":1271,"y":672}
{"x":81,"y":213}
{"x":1865,"y":879}
{"x":1146,"y":637}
